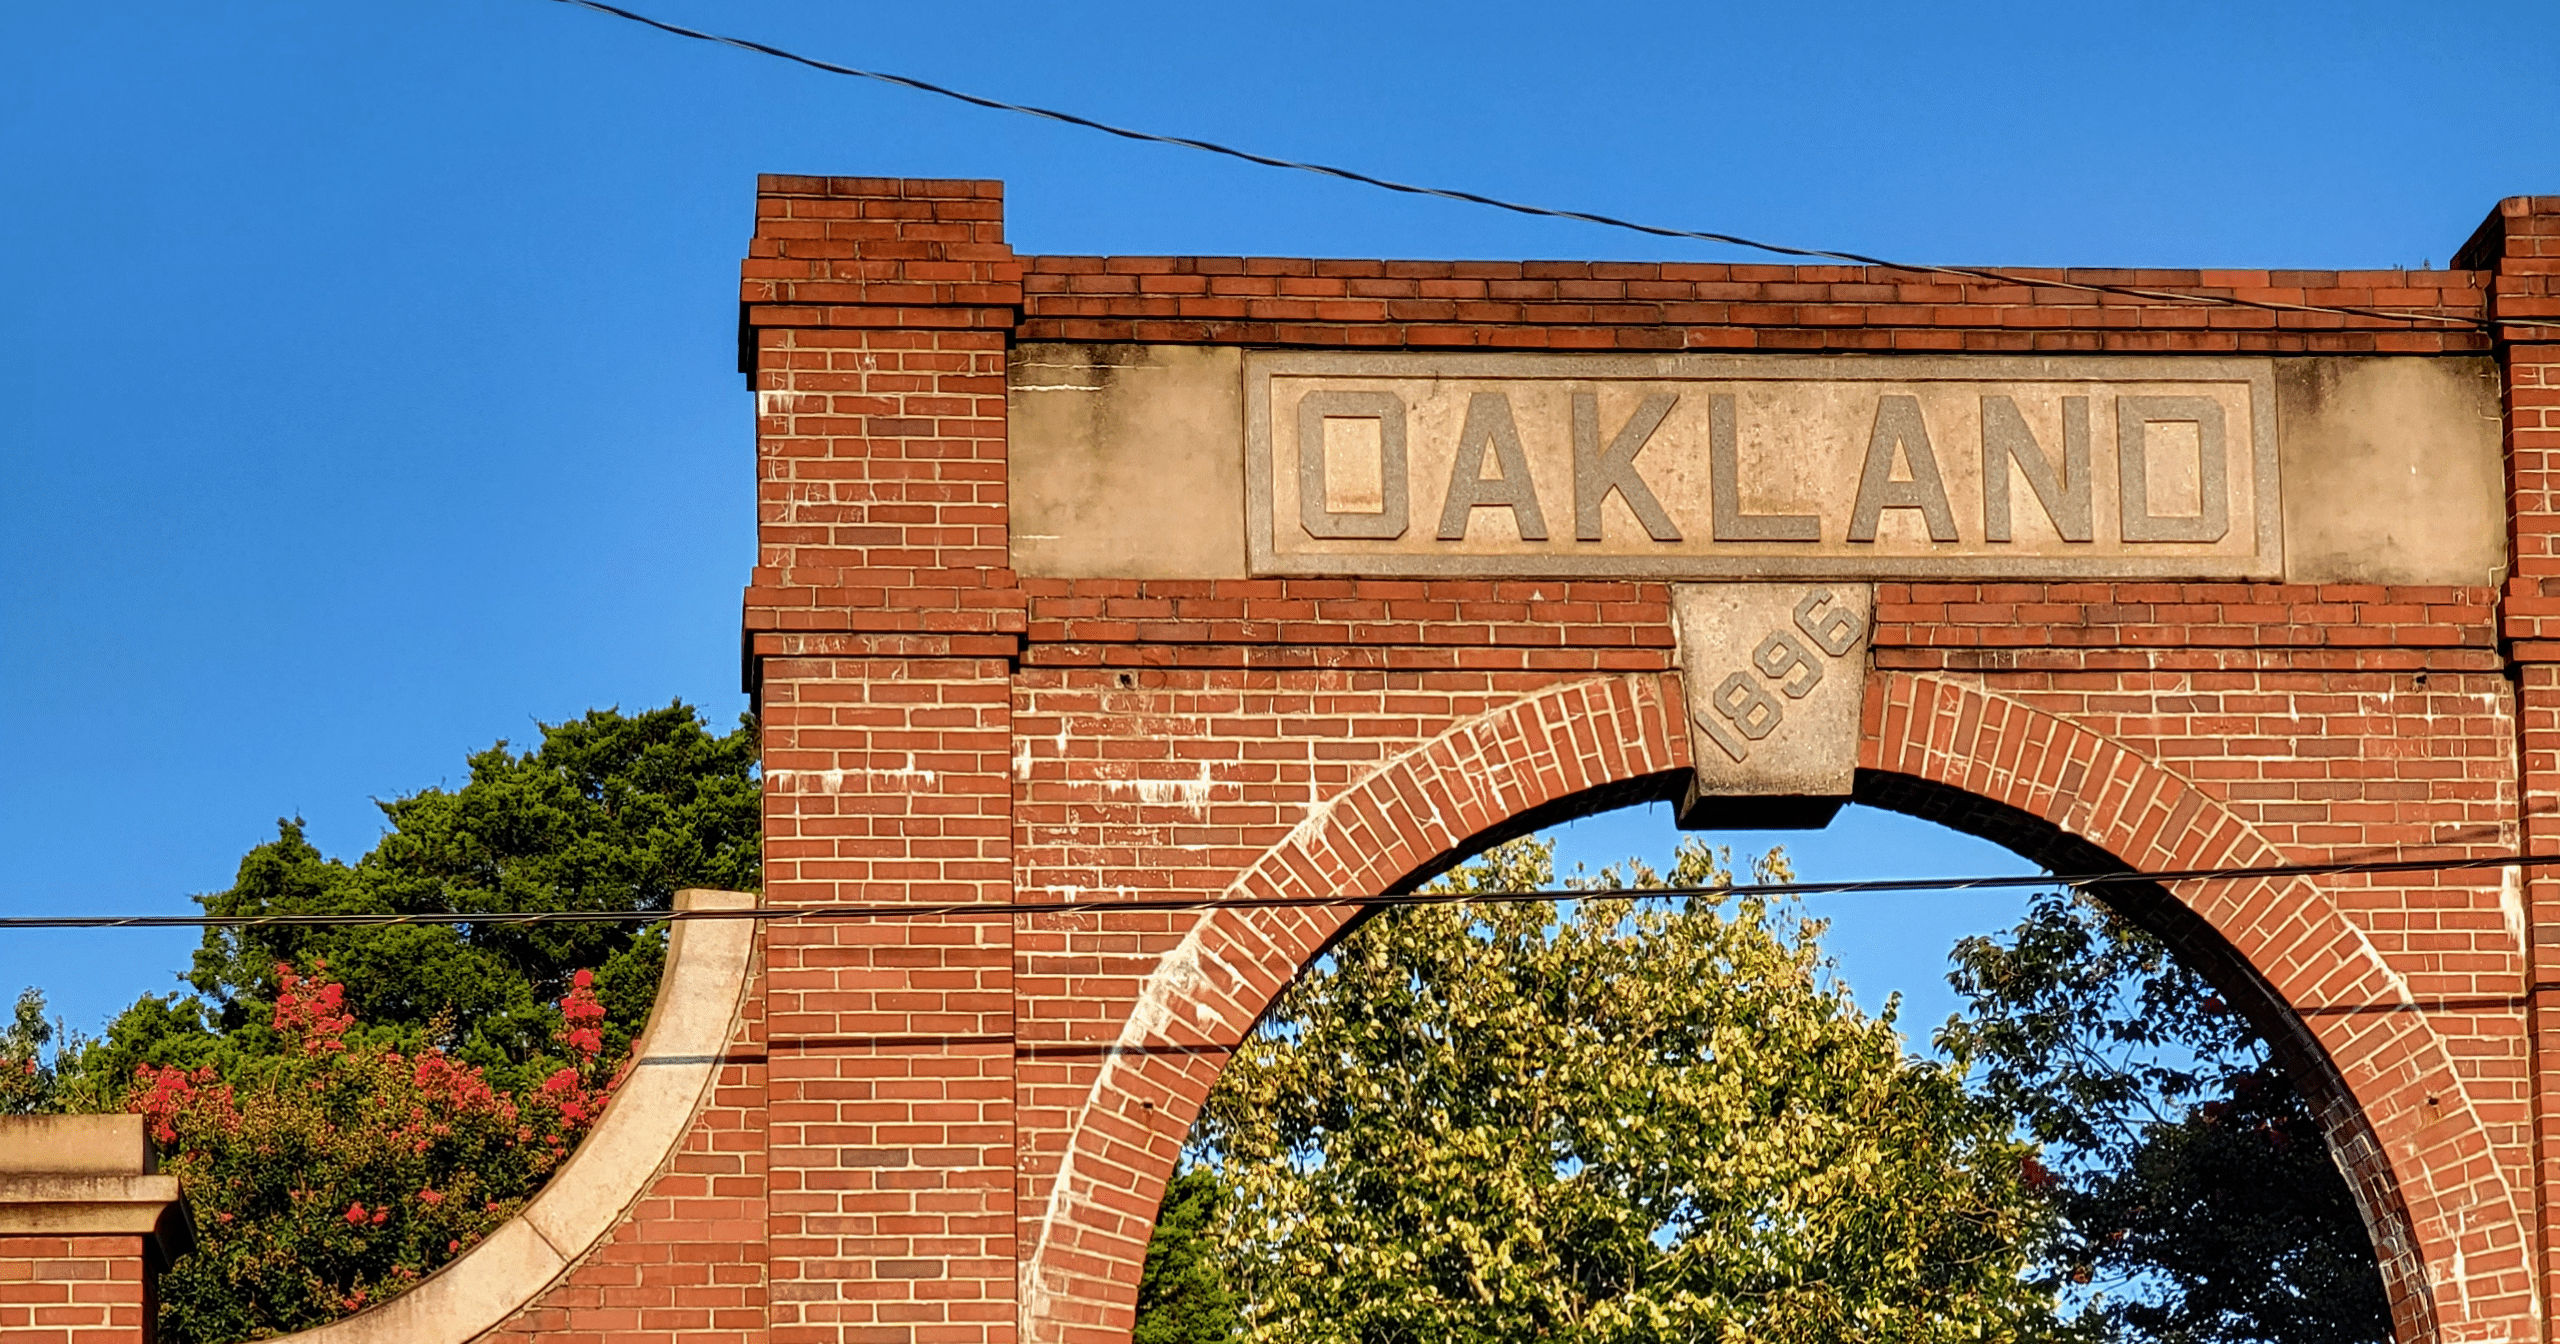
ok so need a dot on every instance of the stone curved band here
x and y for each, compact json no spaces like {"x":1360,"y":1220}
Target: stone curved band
{"x":673,"y":1068}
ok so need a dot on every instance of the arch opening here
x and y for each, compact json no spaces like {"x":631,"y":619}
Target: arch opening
{"x":2297,"y":1051}
{"x":2294,"y":1048}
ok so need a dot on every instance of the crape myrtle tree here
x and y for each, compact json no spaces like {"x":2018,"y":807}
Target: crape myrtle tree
{"x":348,"y":1108}
{"x":343,"y":1169}
{"x":2196,"y":1199}
{"x":1611,"y":1120}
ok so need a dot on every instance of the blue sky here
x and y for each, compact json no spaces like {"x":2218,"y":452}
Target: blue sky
{"x":367,"y":372}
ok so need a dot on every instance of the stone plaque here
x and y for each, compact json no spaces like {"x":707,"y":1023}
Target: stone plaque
{"x":1761,"y":466}
{"x":1775,"y":674}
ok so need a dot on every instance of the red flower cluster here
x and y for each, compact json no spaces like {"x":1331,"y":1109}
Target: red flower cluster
{"x":314,"y":1013}
{"x":447,"y":1090}
{"x":161,"y":1095}
{"x":425,"y":1152}
{"x":585,"y":1017}
{"x":583,"y":1032}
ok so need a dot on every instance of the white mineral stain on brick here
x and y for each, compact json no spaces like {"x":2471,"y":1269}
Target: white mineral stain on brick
{"x":806,"y":781}
{"x":2461,"y":1278}
{"x":2469,"y":1331}
{"x":905,"y":779}
{"x":1181,"y":973}
{"x":2511,"y":904}
{"x":1192,"y":795}
{"x":2403,"y":999}
{"x":909,"y":778}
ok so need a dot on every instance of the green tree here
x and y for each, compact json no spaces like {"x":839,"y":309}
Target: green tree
{"x":2198,"y":1201}
{"x":609,"y":812}
{"x":1183,"y":1296}
{"x":1613,"y":1120}
{"x":27,"y":1074}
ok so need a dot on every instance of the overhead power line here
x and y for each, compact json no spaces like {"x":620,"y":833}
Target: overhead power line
{"x":1524,"y":208}
{"x":2088,"y":882}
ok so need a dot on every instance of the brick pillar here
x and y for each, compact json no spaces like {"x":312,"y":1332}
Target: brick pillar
{"x":86,"y":1225}
{"x":2520,"y":244}
{"x":882,"y":618}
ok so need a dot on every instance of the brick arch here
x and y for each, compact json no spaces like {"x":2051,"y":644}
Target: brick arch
{"x":1972,"y":759}
{"x":2398,"y":1112}
{"x":1583,"y":746}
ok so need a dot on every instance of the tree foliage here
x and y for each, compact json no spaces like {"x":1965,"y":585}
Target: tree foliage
{"x":2197,"y":1198}
{"x":340,"y":1170}
{"x":27,"y":1073}
{"x":1614,"y":1121}
{"x":338,"y":1140}
{"x":1183,"y":1296}
{"x":609,"y":812}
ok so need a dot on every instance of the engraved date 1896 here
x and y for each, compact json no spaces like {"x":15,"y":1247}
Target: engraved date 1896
{"x":1744,"y":710}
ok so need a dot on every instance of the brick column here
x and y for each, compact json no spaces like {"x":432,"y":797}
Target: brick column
{"x":882,"y":619}
{"x":2520,"y":243}
{"x":86,"y":1224}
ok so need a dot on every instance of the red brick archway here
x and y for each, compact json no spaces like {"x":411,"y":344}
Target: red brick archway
{"x":951,"y":1127}
{"x":965,"y":704}
{"x":1589,"y":744}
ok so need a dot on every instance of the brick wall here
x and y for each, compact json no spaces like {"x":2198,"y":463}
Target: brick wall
{"x":2520,"y":245}
{"x":1566,"y":305}
{"x":73,"y":1290}
{"x":882,"y":313}
{"x":891,"y":1084}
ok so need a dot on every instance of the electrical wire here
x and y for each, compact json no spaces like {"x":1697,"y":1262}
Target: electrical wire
{"x":1178,"y":904}
{"x":2087,"y":882}
{"x":1538,"y":211}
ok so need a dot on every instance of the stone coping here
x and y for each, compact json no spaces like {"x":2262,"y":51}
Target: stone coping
{"x":53,"y":1204}
{"x":87,"y":1176}
{"x":673,"y":1067}
{"x":84,"y":1145}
